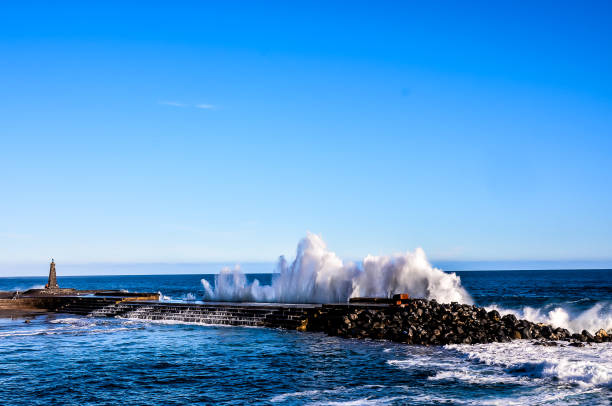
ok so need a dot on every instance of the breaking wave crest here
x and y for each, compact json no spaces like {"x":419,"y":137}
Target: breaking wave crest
{"x":22,"y":288}
{"x":597,"y":317}
{"x":590,"y":366}
{"x":318,"y":275}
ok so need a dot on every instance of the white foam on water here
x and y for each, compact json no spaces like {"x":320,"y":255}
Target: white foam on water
{"x":285,"y":396}
{"x":597,"y":317}
{"x":189,"y":297}
{"x":561,"y":397}
{"x":24,"y":333}
{"x":318,"y":275}
{"x":163,"y":298}
{"x":74,"y":321}
{"x":362,"y":401}
{"x":480,"y":377}
{"x":65,"y":326}
{"x":143,"y":320}
{"x":541,"y":375}
{"x":420,"y":362}
{"x":23,"y":289}
{"x":320,"y":397}
{"x":589,"y":366}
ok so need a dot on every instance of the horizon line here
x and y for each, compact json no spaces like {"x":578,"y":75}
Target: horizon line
{"x":275,"y":273}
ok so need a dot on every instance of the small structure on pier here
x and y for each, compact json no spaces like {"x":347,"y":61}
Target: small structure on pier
{"x":400,"y":299}
{"x":52,"y":283}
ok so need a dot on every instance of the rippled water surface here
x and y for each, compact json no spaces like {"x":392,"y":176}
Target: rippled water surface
{"x":63,"y":359}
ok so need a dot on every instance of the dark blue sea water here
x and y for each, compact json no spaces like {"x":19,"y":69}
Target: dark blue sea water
{"x":68,"y":360}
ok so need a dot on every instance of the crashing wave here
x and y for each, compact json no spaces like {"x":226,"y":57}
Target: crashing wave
{"x":189,"y":297}
{"x":163,"y":298}
{"x":597,"y":317}
{"x":318,"y":275}
{"x":581,"y":366}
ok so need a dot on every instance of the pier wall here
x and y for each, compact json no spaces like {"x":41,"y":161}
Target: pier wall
{"x":237,"y":314}
{"x":411,"y":321}
{"x":141,"y":307}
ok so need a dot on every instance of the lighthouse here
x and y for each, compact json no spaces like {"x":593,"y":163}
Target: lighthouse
{"x":52,"y":283}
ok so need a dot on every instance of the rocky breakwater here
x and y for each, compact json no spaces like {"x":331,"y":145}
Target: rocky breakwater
{"x":426,"y":322}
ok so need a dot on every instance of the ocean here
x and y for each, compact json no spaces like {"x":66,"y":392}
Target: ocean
{"x":70,"y":360}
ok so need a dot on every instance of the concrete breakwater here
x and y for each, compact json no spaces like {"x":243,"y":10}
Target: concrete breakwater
{"x":236,"y":314}
{"x":83,"y":302}
{"x":410,"y":321}
{"x":146,"y":306}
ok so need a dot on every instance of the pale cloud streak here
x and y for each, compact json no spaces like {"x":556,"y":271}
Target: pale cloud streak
{"x":172,"y":103}
{"x":205,"y":106}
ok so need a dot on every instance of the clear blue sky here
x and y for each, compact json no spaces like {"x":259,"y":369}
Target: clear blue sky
{"x":223,"y":131}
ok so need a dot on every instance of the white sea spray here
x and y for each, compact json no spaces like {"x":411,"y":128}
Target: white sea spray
{"x":318,"y":275}
{"x":597,"y":317}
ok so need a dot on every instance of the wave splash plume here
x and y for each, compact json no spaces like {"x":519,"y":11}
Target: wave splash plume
{"x":318,"y":275}
{"x":597,"y":317}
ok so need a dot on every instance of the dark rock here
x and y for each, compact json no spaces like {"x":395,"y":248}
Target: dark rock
{"x":423,"y":322}
{"x":576,"y":344}
{"x":525,"y":333}
{"x":494,"y":315}
{"x":550,"y":343}
{"x":546,"y":331}
{"x":510,"y":320}
{"x":546,"y":343}
{"x":602,"y":334}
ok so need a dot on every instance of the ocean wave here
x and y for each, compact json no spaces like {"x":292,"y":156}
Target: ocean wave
{"x":318,"y":275}
{"x":563,"y":397}
{"x":22,"y":288}
{"x":76,"y":321}
{"x":478,"y":378}
{"x":597,"y":317}
{"x":584,"y":299}
{"x":188,"y":297}
{"x":313,"y":397}
{"x":285,"y":396}
{"x":367,"y":401}
{"x":62,"y":331}
{"x":24,"y":333}
{"x":138,"y":319}
{"x":163,"y":298}
{"x":588,"y":366}
{"x":69,"y":326}
{"x":418,"y":362}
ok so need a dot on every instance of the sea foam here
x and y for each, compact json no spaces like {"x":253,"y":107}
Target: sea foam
{"x":588,"y":366}
{"x":318,"y":275}
{"x":597,"y":317}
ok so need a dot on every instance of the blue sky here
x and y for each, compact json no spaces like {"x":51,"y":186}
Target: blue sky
{"x":223,"y":131}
